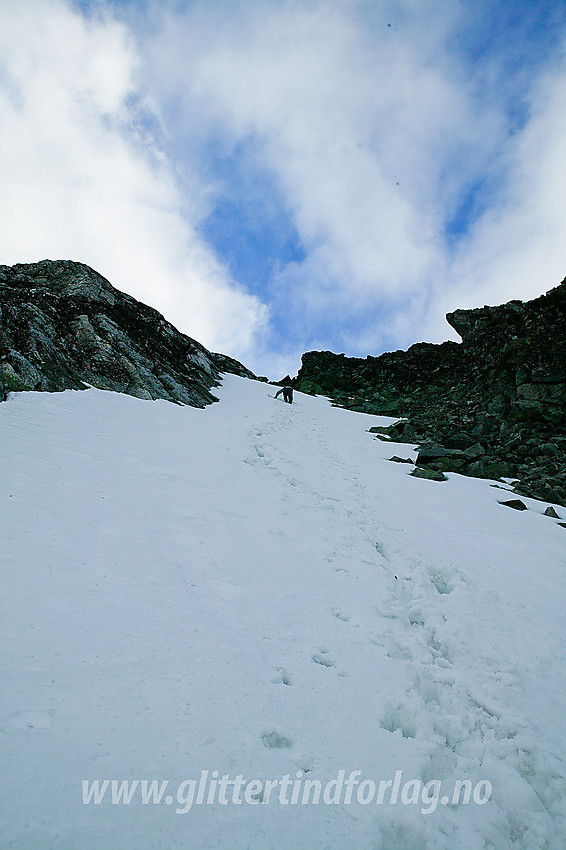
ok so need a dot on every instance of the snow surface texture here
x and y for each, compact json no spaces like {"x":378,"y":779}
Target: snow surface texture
{"x":253,"y":589}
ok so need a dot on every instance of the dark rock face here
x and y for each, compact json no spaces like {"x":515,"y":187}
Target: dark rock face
{"x":63,"y":326}
{"x":491,"y":406}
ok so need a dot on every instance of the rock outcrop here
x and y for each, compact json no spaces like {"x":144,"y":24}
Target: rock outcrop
{"x":64,"y":326}
{"x":492,"y":406}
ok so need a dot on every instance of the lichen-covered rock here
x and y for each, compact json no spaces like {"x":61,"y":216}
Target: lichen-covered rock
{"x":64,"y":326}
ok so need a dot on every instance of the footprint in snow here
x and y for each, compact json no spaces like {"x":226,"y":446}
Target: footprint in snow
{"x":282,"y":677}
{"x":443,"y":582}
{"x":323,"y":658}
{"x":272,"y":740}
{"x":400,"y":718}
{"x":340,"y":615}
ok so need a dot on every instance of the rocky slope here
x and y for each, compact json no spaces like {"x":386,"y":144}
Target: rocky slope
{"x":63,"y":326}
{"x":492,"y":406}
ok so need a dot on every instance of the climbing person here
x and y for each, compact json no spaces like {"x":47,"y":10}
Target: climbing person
{"x":287,"y":391}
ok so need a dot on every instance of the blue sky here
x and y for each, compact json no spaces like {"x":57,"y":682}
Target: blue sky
{"x":282,"y":175}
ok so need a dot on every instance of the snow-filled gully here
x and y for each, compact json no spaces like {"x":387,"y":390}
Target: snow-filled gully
{"x":254,"y":589}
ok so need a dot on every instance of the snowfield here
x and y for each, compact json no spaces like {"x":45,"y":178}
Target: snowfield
{"x":252,"y":591}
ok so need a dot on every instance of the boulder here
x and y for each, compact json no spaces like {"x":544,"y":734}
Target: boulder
{"x":459,"y":440}
{"x":429,"y":474}
{"x":499,"y":469}
{"x":429,"y":454}
{"x":516,"y":504}
{"x":476,"y":469}
{"x":448,"y":464}
{"x":474,"y":452}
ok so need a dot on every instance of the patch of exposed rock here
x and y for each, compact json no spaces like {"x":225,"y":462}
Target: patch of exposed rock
{"x":492,"y":406}
{"x":64,"y":326}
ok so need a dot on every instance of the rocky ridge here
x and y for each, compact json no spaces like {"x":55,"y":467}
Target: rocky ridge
{"x":492,"y":406}
{"x":64,"y":326}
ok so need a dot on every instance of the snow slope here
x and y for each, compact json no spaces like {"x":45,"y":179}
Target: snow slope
{"x":253,"y":589}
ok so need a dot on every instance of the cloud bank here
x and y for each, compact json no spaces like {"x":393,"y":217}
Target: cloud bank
{"x":292,"y":174}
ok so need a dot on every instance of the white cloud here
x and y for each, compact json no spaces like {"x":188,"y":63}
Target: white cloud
{"x":518,"y":248}
{"x":372,"y":134}
{"x":375,"y":134}
{"x":82,"y":180}
{"x":359,"y":122}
